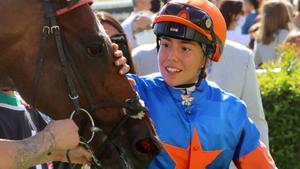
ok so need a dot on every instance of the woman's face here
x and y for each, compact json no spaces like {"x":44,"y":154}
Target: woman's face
{"x":180,"y":61}
{"x":248,"y":7}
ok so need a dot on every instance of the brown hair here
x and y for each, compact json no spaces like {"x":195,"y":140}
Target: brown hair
{"x":275,"y":16}
{"x":230,"y":9}
{"x":107,"y":17}
{"x":103,"y":16}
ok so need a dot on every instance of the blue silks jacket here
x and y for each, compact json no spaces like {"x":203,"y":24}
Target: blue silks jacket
{"x":207,"y":133}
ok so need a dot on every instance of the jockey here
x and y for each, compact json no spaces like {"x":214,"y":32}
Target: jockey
{"x":200,"y":126}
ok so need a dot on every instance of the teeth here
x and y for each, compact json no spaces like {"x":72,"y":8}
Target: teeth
{"x":171,"y":69}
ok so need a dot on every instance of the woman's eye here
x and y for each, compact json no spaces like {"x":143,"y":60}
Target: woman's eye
{"x":164,"y":45}
{"x":186,"y":49}
{"x":94,"y":51}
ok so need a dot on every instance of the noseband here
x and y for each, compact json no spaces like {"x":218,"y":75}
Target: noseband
{"x":132,"y":107}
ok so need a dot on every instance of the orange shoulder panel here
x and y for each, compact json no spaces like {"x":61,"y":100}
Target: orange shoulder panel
{"x":258,"y":158}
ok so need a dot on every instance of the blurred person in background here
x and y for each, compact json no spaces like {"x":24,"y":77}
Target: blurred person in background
{"x":253,"y":31}
{"x":292,"y":13}
{"x":25,"y":140}
{"x":232,"y":11}
{"x":235,"y":73}
{"x":296,"y":19}
{"x":145,"y":57}
{"x":251,"y":12}
{"x":238,"y":61}
{"x":137,"y":26}
{"x":116,"y":33}
{"x":216,"y":2}
{"x":273,"y":29}
{"x":155,"y":5}
{"x":17,"y":121}
{"x":143,"y":33}
{"x":294,"y":38}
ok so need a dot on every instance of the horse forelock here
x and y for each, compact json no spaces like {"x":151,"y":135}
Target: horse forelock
{"x":102,"y":30}
{"x":72,"y":4}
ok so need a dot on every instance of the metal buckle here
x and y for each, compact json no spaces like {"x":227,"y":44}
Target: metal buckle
{"x":73,"y":97}
{"x":55,"y":27}
{"x":46,"y":29}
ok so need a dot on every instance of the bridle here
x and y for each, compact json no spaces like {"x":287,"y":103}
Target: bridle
{"x":132,"y":107}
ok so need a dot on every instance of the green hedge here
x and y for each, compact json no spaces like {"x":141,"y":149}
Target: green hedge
{"x":281,"y":99}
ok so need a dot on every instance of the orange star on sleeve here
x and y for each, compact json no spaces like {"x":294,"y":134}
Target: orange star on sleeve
{"x":194,"y":157}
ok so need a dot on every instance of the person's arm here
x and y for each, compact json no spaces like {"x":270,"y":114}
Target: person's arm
{"x":258,"y":158}
{"x":251,"y":96}
{"x":251,"y":152}
{"x":48,"y":145}
{"x":51,"y":143}
{"x":246,"y":26}
{"x":257,"y":55}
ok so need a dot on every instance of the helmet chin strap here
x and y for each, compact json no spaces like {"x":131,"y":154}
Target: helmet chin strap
{"x":200,"y":77}
{"x":202,"y":71}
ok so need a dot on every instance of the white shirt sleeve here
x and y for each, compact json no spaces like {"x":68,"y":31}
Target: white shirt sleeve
{"x":252,"y":97}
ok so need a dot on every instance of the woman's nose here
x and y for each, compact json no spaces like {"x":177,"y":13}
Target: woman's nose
{"x":173,"y":54}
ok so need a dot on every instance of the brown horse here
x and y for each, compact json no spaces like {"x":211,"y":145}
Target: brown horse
{"x":60,"y":60}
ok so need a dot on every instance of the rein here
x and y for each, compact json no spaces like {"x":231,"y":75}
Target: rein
{"x":132,"y":107}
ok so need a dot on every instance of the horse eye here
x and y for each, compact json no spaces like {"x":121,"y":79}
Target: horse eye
{"x":94,"y":51}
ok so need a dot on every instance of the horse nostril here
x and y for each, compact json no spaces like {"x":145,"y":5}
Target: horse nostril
{"x":147,"y":146}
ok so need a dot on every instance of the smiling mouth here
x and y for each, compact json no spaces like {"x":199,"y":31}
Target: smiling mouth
{"x":172,"y":69}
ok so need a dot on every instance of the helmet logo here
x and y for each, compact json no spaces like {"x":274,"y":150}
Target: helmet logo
{"x":183,"y":14}
{"x":208,"y":23}
{"x":174,"y":29}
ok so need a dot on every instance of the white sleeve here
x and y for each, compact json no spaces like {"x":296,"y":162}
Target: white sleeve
{"x":257,"y":55}
{"x":251,"y":96}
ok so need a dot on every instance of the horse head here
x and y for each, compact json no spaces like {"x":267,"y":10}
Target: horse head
{"x":60,"y":60}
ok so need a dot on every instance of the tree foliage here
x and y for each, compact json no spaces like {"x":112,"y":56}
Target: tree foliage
{"x":280,"y":91}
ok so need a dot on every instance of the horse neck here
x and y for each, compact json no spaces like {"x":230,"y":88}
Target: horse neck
{"x":21,"y":25}
{"x":19,"y":19}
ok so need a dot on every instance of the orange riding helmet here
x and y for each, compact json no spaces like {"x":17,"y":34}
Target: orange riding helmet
{"x":197,"y":20}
